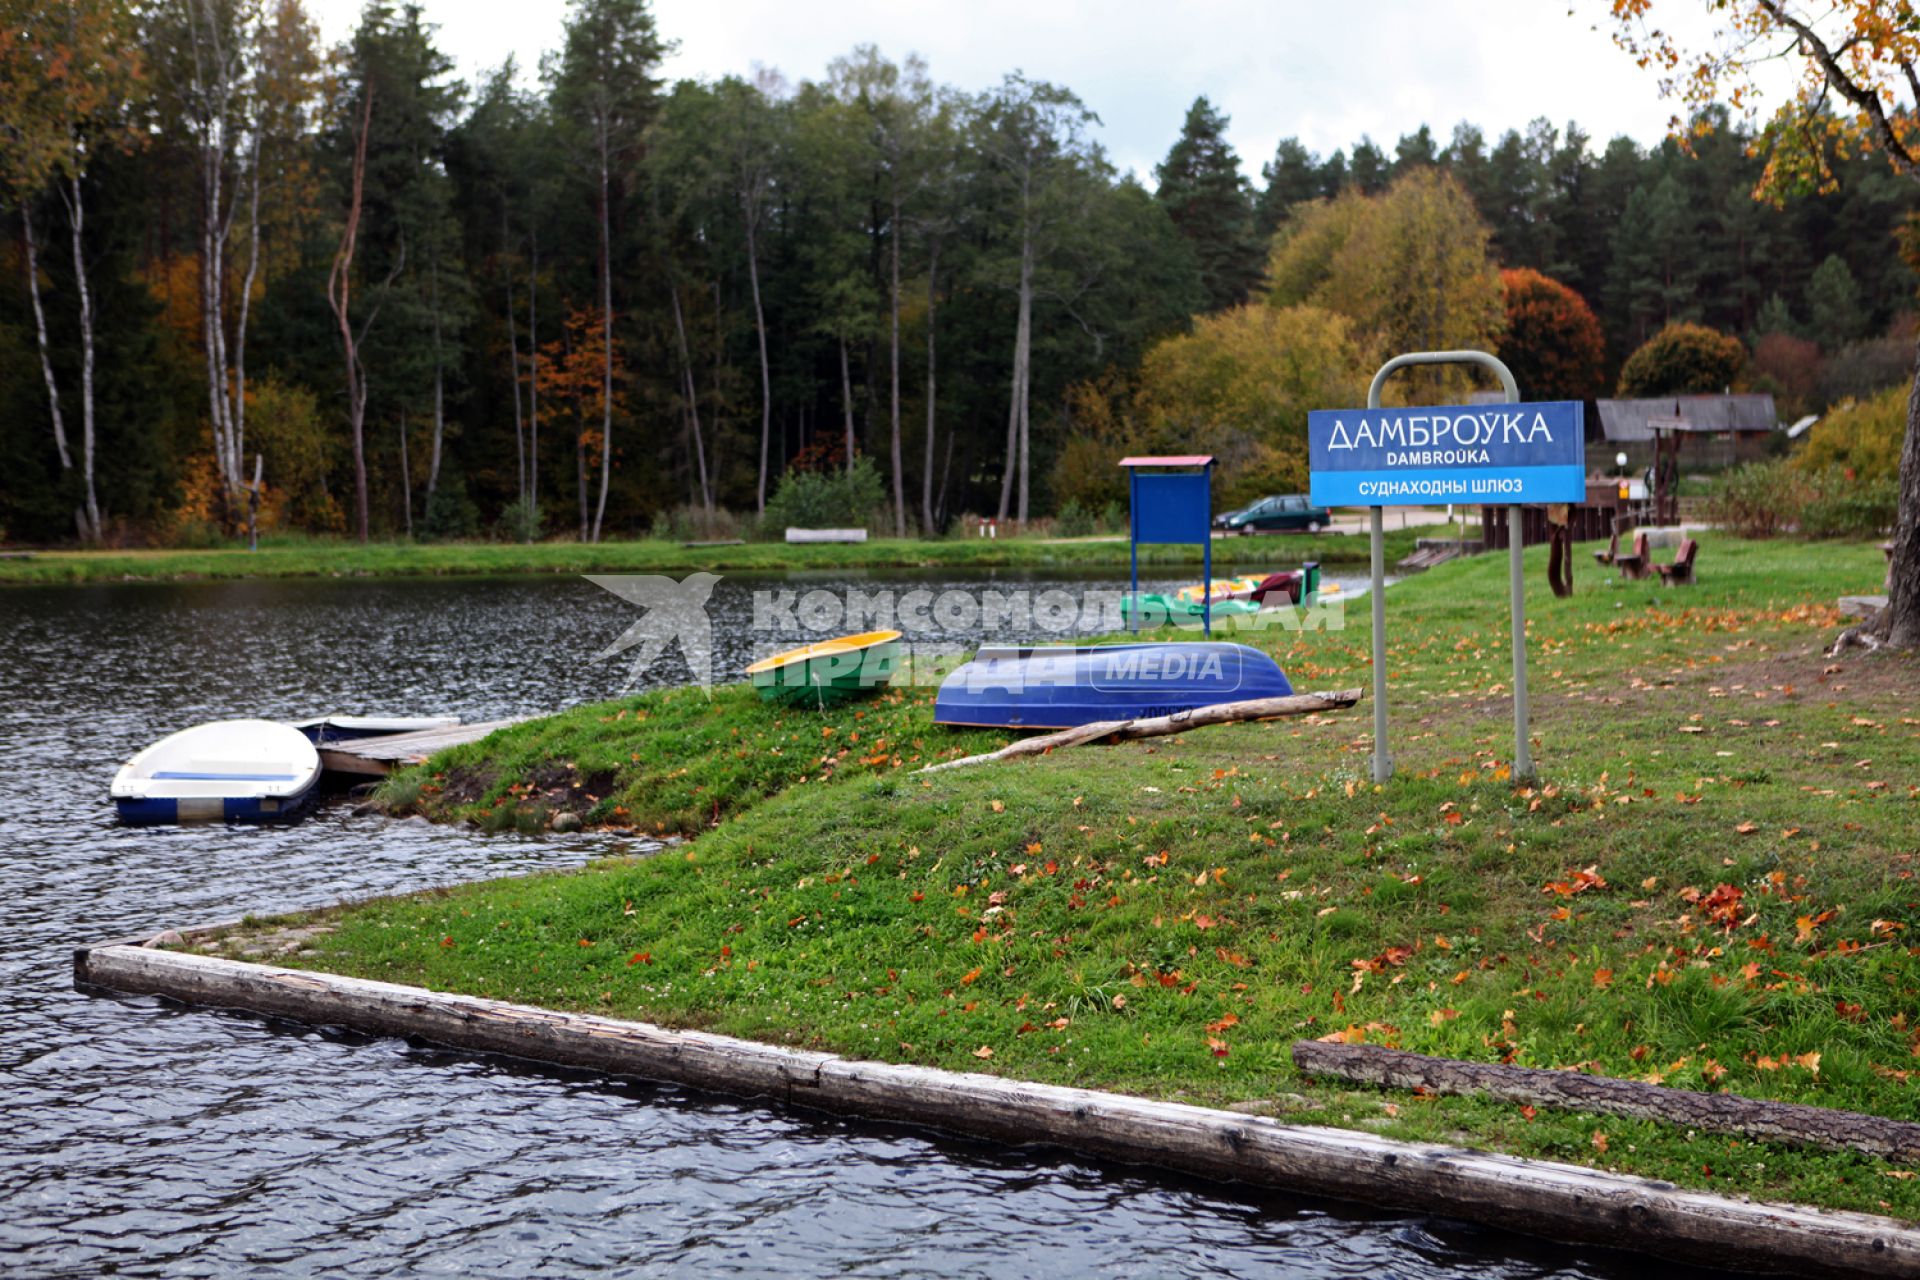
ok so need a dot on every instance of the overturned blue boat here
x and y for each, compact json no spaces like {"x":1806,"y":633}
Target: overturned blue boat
{"x":1061,"y":686}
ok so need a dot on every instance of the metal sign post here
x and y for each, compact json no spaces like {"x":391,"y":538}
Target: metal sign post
{"x":1472,"y":453}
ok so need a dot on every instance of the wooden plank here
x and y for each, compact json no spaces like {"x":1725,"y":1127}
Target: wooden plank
{"x":795,"y":534}
{"x":376,"y":757}
{"x":1562,"y":1202}
{"x":1788,"y":1122}
{"x":1298,"y":704}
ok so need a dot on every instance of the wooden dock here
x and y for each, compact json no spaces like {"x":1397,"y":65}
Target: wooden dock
{"x":377,"y":757}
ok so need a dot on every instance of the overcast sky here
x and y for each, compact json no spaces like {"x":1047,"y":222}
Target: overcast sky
{"x":1324,"y":72}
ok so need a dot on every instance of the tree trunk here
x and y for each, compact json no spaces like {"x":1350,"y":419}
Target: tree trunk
{"x":579,"y":435}
{"x":1017,"y":401}
{"x":927,"y":523}
{"x":606,"y":338}
{"x":246,"y":308}
{"x":513,"y":381}
{"x":719,"y":401}
{"x":1903,"y":588}
{"x":693,"y":397}
{"x":339,"y":295}
{"x":533,"y":373}
{"x":406,"y":481}
{"x":1751,"y":1118}
{"x":846,"y":401}
{"x":580,"y":475}
{"x":946,"y":481}
{"x":77,"y":216}
{"x":211,"y":321}
{"x":899,"y":481}
{"x":766,"y":377}
{"x":1296,"y":704}
{"x":40,"y":328}
{"x":439,"y":380}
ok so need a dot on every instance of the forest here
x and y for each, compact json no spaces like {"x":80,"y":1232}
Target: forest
{"x":343,"y":292}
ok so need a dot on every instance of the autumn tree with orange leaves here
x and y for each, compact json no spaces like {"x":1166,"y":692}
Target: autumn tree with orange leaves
{"x":575,"y":376}
{"x":1857,"y":91}
{"x":1553,"y":341}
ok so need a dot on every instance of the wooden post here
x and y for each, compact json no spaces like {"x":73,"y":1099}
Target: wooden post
{"x":1789,"y":1122}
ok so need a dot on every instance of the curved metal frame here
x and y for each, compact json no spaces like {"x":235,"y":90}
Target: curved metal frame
{"x":1523,"y":769}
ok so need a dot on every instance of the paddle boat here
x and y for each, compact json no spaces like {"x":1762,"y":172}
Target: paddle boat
{"x":1061,"y":686}
{"x":1290,"y":586}
{"x":1218,"y":590}
{"x":1223,"y":598}
{"x":227,"y":771}
{"x":325,"y":731}
{"x":829,"y":672}
{"x":1152,"y":609}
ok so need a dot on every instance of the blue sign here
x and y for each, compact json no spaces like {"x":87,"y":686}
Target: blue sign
{"x":1172,"y":507}
{"x":1497,"y":454}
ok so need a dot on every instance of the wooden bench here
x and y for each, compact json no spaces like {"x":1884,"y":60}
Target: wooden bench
{"x":1680,"y":572}
{"x":1635,"y":565}
{"x":1612,"y":552}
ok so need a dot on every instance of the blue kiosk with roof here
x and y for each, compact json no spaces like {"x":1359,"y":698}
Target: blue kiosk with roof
{"x":1170,"y":501}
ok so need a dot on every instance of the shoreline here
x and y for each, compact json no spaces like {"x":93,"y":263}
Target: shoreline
{"x":1161,"y":919}
{"x":323,"y":559}
{"x":1545,"y":1199}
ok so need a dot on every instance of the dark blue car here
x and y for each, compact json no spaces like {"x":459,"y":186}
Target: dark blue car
{"x":1277,"y":514}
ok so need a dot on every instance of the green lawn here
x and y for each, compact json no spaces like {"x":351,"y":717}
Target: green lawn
{"x":311,"y":558}
{"x":1712,"y":886}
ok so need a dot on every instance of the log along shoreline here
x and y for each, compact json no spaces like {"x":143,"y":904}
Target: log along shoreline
{"x":1562,"y":1202}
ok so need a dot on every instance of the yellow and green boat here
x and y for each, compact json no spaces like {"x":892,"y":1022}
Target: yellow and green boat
{"x":829,"y":672}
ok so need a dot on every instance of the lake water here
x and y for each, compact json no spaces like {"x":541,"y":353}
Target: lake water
{"x":141,"y":1138}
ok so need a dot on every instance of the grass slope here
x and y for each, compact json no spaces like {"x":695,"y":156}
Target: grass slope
{"x":1712,"y":886}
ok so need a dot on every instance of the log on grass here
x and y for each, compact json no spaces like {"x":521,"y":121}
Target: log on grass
{"x":1786,"y":1122}
{"x":1298,"y":704}
{"x":1562,"y":1202}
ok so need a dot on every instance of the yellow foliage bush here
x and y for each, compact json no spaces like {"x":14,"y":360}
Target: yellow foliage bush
{"x":1409,"y":267}
{"x":1240,"y":387}
{"x":1860,"y":436}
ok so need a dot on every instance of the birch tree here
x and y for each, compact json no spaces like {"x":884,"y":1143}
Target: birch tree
{"x":80,"y":69}
{"x":748,"y":136}
{"x":1034,"y":138}
{"x":201,"y":58}
{"x":604,"y":82}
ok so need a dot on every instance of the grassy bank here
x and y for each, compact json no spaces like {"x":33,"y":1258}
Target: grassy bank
{"x":319,"y":558}
{"x":1712,"y":886}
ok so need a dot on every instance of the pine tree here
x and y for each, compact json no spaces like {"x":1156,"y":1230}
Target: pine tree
{"x":1202,"y":190}
{"x":1369,"y":166}
{"x":1333,"y":175}
{"x":1414,"y":150}
{"x":1775,"y":317}
{"x":1833,"y":297}
{"x":1292,"y":177}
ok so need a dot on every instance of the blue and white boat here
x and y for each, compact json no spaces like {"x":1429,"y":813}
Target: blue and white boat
{"x":324,"y":731}
{"x":227,"y":771}
{"x":1061,"y":686}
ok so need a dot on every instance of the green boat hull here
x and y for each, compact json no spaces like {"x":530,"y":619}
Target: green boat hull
{"x":1152,"y":609}
{"x":831,"y":679}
